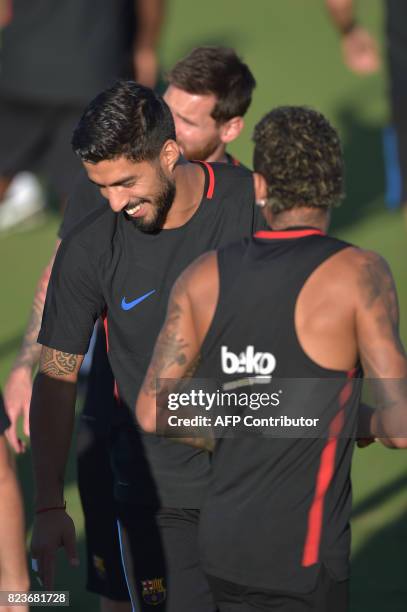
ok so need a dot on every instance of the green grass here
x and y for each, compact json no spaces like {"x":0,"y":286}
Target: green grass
{"x":296,"y":60}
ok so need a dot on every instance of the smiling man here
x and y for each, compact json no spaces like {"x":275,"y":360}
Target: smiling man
{"x":119,"y":263}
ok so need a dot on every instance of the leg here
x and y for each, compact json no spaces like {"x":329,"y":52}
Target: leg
{"x":23,"y":129}
{"x":104,"y":571}
{"x":160,"y":551}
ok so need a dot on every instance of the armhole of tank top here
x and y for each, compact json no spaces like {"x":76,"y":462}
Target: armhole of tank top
{"x":337,"y":248}
{"x":223,"y":255}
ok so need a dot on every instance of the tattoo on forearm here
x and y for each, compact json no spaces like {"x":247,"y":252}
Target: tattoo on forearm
{"x":30,"y":350}
{"x":57,"y":363}
{"x":169,"y":350}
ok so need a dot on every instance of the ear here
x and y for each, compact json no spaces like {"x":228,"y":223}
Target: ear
{"x":169,"y":155}
{"x":260,"y":187}
{"x":231,"y":129}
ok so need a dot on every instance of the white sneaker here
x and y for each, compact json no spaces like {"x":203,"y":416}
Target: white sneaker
{"x":22,"y":203}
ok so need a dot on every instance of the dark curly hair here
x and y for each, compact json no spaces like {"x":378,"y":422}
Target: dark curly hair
{"x":299,"y":154}
{"x":126,"y":120}
{"x":218,"y":71}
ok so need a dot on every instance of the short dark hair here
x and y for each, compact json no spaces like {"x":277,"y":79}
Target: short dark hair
{"x":125,"y":120}
{"x":218,"y":71}
{"x":299,"y":154}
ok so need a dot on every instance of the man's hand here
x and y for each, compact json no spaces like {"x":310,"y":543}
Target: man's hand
{"x":360,"y":52}
{"x":145,"y":64}
{"x":17,"y":398}
{"x":52,"y":530}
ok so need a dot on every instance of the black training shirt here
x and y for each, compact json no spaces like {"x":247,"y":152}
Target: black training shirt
{"x":65,"y":51}
{"x":106,"y":264}
{"x":279,"y":502}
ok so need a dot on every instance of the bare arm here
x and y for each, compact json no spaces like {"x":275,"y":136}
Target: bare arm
{"x":382,"y":354}
{"x":176,"y":354}
{"x":13,"y":565}
{"x":150,"y":15}
{"x":52,"y":419}
{"x":359,"y":49}
{"x":18,"y":387}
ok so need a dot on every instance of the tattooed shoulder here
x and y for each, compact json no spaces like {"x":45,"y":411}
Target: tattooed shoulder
{"x":376,"y":282}
{"x":58,"y":363}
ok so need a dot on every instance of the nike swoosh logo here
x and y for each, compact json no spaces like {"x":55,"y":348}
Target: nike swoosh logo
{"x":129,"y":305}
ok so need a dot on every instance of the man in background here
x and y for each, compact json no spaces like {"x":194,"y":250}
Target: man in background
{"x":209,"y":92}
{"x":55,"y":56}
{"x":361,"y":55}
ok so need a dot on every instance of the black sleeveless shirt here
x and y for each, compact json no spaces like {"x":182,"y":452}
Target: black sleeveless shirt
{"x":280,"y":498}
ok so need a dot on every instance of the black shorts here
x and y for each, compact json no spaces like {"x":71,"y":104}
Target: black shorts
{"x":105,"y":575}
{"x":37,"y":137}
{"x":160,"y":551}
{"x":158,"y":547}
{"x":328,"y":596}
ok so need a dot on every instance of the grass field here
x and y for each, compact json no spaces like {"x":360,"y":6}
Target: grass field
{"x":296,"y":60}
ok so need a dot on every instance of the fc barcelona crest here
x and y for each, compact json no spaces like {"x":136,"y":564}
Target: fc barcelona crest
{"x":153,"y":591}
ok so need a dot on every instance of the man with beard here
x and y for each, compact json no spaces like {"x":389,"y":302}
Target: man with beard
{"x":104,"y":570}
{"x":209,"y":92}
{"x":119,"y":263}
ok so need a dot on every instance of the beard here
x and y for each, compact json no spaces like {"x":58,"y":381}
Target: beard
{"x":161,"y":205}
{"x":199,"y":153}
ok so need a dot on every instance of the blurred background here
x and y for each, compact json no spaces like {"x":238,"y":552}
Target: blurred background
{"x":295,"y":56}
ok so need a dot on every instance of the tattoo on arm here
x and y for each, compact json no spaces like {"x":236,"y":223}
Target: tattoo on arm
{"x":379,"y":293}
{"x":56,"y":363}
{"x":30,"y":350}
{"x":168,"y":351}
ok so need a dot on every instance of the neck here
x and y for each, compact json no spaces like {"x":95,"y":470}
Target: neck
{"x":300,"y":217}
{"x":219,"y":155}
{"x":190,"y":183}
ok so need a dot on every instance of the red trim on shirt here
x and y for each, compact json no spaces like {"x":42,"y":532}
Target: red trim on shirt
{"x":324,"y":477}
{"x":235,"y":161}
{"x":211,"y":186}
{"x":106,"y":326}
{"x":270,"y":235}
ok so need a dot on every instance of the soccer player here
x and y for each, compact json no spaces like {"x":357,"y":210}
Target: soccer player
{"x":304,"y":306}
{"x":55,"y":57}
{"x":104,"y":571}
{"x":13,"y":565}
{"x":209,"y":92}
{"x":119,"y":263}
